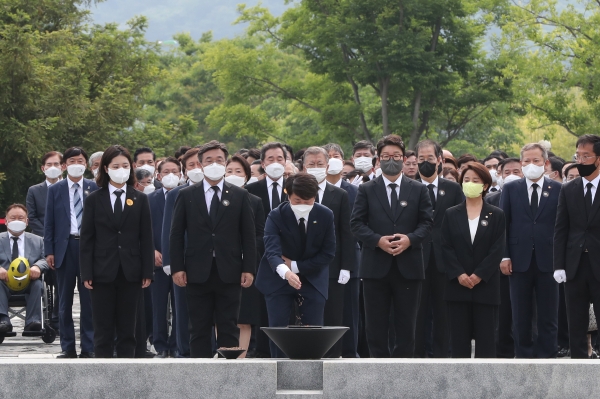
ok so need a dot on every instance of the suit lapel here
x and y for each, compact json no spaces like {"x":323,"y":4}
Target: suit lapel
{"x":483,"y":225}
{"x":130,"y":198}
{"x":578,"y":187}
{"x":381,"y":192}
{"x":291,"y":224}
{"x":405,"y":189}
{"x":27,"y":249}
{"x":546,"y":188}
{"x":200,"y":200}
{"x":161,"y":203}
{"x":66,"y":200}
{"x":463,"y":224}
{"x":311,"y":229}
{"x":225,"y":199}
{"x":87,"y":187}
{"x":595,"y":205}
{"x":265,"y":196}
{"x":284,"y":196}
{"x":328,"y":196}
{"x":524,"y":194}
{"x":440,"y":199}
{"x":6,"y":245}
{"x":106,"y":204}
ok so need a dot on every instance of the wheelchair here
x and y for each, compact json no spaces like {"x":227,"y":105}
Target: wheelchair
{"x":17,"y":305}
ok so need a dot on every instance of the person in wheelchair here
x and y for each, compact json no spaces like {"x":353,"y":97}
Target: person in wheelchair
{"x":16,"y":243}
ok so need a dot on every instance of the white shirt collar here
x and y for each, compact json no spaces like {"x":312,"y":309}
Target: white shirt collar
{"x":71,"y":182}
{"x":435,"y":182}
{"x":165,"y":191}
{"x":388,"y":182}
{"x":530,"y":183}
{"x":112,"y":189}
{"x":322,"y":185}
{"x":207,"y":185}
{"x":19,"y":238}
{"x":594,"y":182}
{"x":338,"y":184}
{"x":270,"y":181}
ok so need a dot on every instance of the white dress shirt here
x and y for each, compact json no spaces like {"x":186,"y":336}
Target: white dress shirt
{"x":165,"y":191}
{"x":321,"y":191}
{"x":540,"y":184}
{"x":388,"y":188}
{"x":435,"y":183}
{"x":595,"y":182}
{"x":74,"y":224}
{"x":270,"y":187}
{"x":20,"y":243}
{"x":338,"y":183}
{"x":283,"y":269}
{"x":473,"y":228}
{"x":113,"y":196}
{"x":209,"y":192}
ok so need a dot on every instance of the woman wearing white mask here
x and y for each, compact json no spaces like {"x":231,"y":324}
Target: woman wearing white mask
{"x":117,"y":253}
{"x":238,"y":172}
{"x":299,"y":245}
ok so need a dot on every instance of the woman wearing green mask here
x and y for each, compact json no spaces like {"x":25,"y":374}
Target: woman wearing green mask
{"x":473,"y":245}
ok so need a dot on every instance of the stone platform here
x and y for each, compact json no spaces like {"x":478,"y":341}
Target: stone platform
{"x":282,"y":379}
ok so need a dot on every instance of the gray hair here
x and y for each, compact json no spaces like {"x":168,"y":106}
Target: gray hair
{"x":315,"y":151}
{"x":141,"y":174}
{"x":535,"y":146}
{"x":94,"y":156}
{"x":333,"y":147}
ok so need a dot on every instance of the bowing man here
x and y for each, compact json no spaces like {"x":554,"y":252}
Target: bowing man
{"x":299,"y":246}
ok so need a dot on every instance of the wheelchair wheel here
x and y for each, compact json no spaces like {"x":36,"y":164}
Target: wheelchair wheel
{"x":50,"y":335}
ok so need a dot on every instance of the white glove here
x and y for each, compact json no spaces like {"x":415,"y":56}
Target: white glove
{"x":560,"y":276}
{"x":344,"y":276}
{"x":167,"y":270}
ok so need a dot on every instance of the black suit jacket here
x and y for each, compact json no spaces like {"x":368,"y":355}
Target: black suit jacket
{"x":233,"y":238}
{"x":105,"y":245}
{"x":493,"y":198}
{"x":259,"y":225}
{"x":575,"y":231}
{"x":372,"y":218}
{"x":36,"y":207}
{"x":336,"y":199}
{"x":482,"y":257}
{"x":449,"y":194}
{"x":259,"y":189}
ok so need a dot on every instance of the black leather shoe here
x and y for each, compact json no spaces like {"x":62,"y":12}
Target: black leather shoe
{"x":174,"y":353}
{"x":251,"y":353}
{"x":67,"y":355}
{"x":149,"y":354}
{"x":562,"y":352}
{"x":5,"y":327}
{"x":33,"y":326}
{"x":87,"y":355}
{"x":162,"y":355}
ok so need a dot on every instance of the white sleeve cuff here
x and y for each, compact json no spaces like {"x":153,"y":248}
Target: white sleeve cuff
{"x":282,"y":270}
{"x":503,"y":259}
{"x":295,"y":267}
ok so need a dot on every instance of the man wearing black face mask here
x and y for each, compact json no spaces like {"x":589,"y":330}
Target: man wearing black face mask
{"x":443,"y":194}
{"x":577,"y":243}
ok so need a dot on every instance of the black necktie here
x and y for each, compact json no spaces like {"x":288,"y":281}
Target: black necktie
{"x":15,"y":248}
{"x":588,"y":198}
{"x":214,"y":205}
{"x":118,"y":211}
{"x":302,"y":227}
{"x":431,"y":194}
{"x":534,"y":199}
{"x":493,"y":189}
{"x":275,"y":200}
{"x":394,"y":199}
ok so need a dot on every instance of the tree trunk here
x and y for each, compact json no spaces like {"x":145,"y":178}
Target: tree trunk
{"x":385,"y":118}
{"x":414,"y":135}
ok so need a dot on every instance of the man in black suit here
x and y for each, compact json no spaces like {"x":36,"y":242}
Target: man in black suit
{"x":217,"y":218}
{"x":145,"y":158}
{"x":577,"y":243}
{"x":392,"y":264}
{"x":443,"y":194}
{"x":299,"y":246}
{"x":315,"y":162}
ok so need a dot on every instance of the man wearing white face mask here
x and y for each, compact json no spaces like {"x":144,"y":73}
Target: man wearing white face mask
{"x":94,"y":162}
{"x":36,"y":195}
{"x":491,"y":164}
{"x":362,"y":154}
{"x":169,"y":173}
{"x":13,"y":244}
{"x":217,"y":218}
{"x":299,"y":246}
{"x":62,"y":225}
{"x":530,"y":206}
{"x":145,"y":158}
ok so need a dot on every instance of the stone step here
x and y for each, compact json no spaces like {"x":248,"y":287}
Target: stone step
{"x":298,"y":394}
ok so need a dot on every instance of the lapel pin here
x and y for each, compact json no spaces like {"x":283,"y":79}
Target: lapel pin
{"x":226,"y":192}
{"x":442,"y":193}
{"x":484,"y":223}
{"x":315,"y":222}
{"x":129,"y":202}
{"x":86,"y":192}
{"x":546,"y":194}
{"x":403,"y":204}
{"x":486,"y":216}
{"x":225,"y":203}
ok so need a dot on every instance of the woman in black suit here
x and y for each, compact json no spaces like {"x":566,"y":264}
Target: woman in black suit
{"x":116,"y":253}
{"x":473,"y":246}
{"x":238,"y":173}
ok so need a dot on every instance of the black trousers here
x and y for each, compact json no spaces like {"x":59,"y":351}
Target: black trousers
{"x":563,"y":325}
{"x":432,"y":298}
{"x":210,"y":302}
{"x":334,"y":313}
{"x":351,"y":318}
{"x":378,"y":296}
{"x":505,"y":347}
{"x":114,"y":308}
{"x":579,"y":292}
{"x":472,"y":320}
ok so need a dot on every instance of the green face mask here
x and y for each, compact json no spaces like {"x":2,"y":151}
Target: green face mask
{"x":472,"y":190}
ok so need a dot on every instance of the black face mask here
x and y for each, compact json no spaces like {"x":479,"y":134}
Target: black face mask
{"x":427,"y":169}
{"x":586,"y":170}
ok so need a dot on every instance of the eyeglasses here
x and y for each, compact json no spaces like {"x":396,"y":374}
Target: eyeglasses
{"x":584,"y":158}
{"x":387,"y":158}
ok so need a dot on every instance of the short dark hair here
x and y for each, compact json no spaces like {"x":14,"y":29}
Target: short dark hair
{"x":507,"y":160}
{"x":303,"y":185}
{"x":363,"y":144}
{"x":299,"y":155}
{"x":141,"y":174}
{"x":451,"y":160}
{"x":349,"y":163}
{"x":109,"y":154}
{"x":410,"y":153}
{"x":212,"y":145}
{"x":169,"y":159}
{"x":271,"y":146}
{"x":390,"y":139}
{"x":189,"y":154}
{"x":568,"y":168}
{"x":352,"y":174}
{"x":182,"y":150}
{"x":290,"y":150}
{"x":489,"y":157}
{"x":450,"y":171}
{"x":143,"y":150}
{"x":253,"y":153}
{"x":334,"y":147}
{"x":499,"y":153}
{"x":260,"y":168}
{"x":590,"y":139}
{"x":74,"y":152}
{"x":481,"y":171}
{"x":464,"y":159}
{"x":242,"y":161}
{"x":50,"y":155}
{"x":13,"y":206}
{"x":437,"y":148}
{"x":556,"y":165}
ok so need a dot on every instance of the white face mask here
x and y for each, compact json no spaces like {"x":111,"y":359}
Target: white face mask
{"x":301,"y":211}
{"x":378,"y":172}
{"x":52,"y":172}
{"x":252,"y":180}
{"x":335,"y":166}
{"x":494,"y":175}
{"x":532,"y":171}
{"x":319,"y":173}
{"x":170,"y":181}
{"x":195,"y":175}
{"x":500,"y":181}
{"x":214,"y":171}
{"x":149,"y":189}
{"x":182,"y":180}
{"x":149,"y":168}
{"x":75,"y":170}
{"x":16,"y":226}
{"x":119,"y":176}
{"x":95,"y":172}
{"x":238,"y":181}
{"x":363,"y":164}
{"x":275,"y":170}
{"x":510,"y":178}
